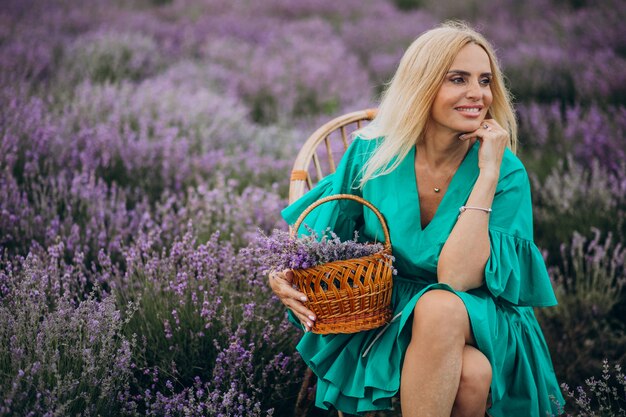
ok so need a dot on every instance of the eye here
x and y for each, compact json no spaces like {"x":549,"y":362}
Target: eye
{"x":485,"y":81}
{"x":457,"y":80}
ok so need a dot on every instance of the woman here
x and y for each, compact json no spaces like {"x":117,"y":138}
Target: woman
{"x":438,"y":161}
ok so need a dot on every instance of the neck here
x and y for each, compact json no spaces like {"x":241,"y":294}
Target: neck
{"x":441,"y":151}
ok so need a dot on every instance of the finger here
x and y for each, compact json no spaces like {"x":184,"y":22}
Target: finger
{"x":486,"y":127}
{"x":282,"y":285}
{"x":287,"y":291}
{"x":471,"y":139}
{"x":495,"y":132}
{"x":306,"y":323}
{"x":472,"y":136}
{"x":300,"y":309}
{"x":494,"y":126}
{"x":493,"y":123}
{"x":478,"y":133}
{"x":288,"y":273}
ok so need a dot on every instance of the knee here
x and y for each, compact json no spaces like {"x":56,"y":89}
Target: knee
{"x":440,"y":310}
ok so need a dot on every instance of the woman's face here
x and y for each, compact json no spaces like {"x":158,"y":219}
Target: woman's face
{"x":465,"y":95}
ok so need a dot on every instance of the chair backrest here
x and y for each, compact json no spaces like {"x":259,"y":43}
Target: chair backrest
{"x":314,"y":161}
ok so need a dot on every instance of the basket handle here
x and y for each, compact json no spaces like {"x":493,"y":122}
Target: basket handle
{"x":356,"y":198}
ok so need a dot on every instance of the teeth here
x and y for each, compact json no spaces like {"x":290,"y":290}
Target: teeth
{"x":470,"y":109}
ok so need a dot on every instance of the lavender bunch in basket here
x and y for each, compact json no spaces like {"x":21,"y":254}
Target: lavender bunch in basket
{"x":280,"y":251}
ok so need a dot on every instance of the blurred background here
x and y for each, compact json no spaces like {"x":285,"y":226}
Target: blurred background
{"x":144,"y":143}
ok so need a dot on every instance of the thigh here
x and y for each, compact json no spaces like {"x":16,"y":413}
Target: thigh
{"x":443,"y":310}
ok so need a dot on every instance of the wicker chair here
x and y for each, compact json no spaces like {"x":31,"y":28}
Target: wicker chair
{"x":320,"y":162}
{"x":314,"y":161}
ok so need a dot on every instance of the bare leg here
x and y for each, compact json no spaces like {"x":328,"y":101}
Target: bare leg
{"x":432,"y":366}
{"x":471,"y":398}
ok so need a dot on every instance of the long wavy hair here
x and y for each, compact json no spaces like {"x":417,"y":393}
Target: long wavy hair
{"x":405,"y":106}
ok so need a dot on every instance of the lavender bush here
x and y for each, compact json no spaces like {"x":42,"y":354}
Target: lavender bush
{"x":237,"y":217}
{"x":106,"y":185}
{"x":549,"y":132}
{"x":605,"y":396}
{"x":59,"y":356}
{"x":587,"y":324}
{"x":210,"y":337}
{"x":379,"y":50}
{"x":192,"y":132}
{"x":574,"y":199}
{"x":536,"y":71}
{"x":109,"y":57}
{"x":278,"y":86}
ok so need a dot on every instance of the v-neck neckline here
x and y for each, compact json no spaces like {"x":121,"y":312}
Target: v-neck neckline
{"x":463,"y":166}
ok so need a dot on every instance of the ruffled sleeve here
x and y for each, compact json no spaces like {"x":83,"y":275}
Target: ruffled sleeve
{"x":516,"y":271}
{"x":344,"y":217}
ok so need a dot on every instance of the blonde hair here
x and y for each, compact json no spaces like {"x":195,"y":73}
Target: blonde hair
{"x":405,"y":107}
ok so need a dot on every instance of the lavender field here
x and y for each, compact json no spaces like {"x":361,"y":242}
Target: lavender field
{"x":143,"y":144}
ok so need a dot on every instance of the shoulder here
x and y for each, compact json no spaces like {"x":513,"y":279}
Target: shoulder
{"x":367,"y":143}
{"x":362,"y":148}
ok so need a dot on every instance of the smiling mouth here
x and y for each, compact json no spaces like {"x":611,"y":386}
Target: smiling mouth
{"x":469,"y":109}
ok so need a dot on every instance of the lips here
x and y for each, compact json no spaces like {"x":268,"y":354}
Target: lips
{"x":472,"y":109}
{"x":469,"y":111}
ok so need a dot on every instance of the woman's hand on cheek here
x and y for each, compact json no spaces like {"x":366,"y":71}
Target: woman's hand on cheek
{"x":493,"y":141}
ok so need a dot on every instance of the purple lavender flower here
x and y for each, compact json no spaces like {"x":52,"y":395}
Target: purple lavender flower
{"x":281,"y":251}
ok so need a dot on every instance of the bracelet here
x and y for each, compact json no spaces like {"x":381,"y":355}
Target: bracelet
{"x":463,"y":208}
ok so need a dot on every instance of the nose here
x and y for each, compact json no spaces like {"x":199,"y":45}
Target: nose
{"x":474,"y":92}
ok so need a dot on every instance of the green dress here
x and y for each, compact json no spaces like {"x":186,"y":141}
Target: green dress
{"x":361,"y":372}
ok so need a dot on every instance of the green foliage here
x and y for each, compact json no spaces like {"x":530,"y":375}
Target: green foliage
{"x":408,"y":4}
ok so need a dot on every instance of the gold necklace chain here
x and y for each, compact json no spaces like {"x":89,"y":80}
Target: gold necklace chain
{"x":450,"y":175}
{"x":438,"y":189}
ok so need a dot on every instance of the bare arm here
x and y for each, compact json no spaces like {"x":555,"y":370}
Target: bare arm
{"x":465,"y":253}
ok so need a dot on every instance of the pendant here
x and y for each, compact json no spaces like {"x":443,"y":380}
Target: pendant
{"x":437,"y":189}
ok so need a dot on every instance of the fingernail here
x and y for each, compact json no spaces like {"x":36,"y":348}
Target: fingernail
{"x":303,"y":298}
{"x":462,"y":137}
{"x":312,"y":318}
{"x":309,"y":324}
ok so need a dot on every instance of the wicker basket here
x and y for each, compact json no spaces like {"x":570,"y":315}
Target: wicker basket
{"x":352,"y":295}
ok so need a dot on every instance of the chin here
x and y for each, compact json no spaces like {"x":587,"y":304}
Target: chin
{"x":468,"y":127}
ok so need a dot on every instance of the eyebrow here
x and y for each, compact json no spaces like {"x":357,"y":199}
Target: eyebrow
{"x":460,"y":72}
